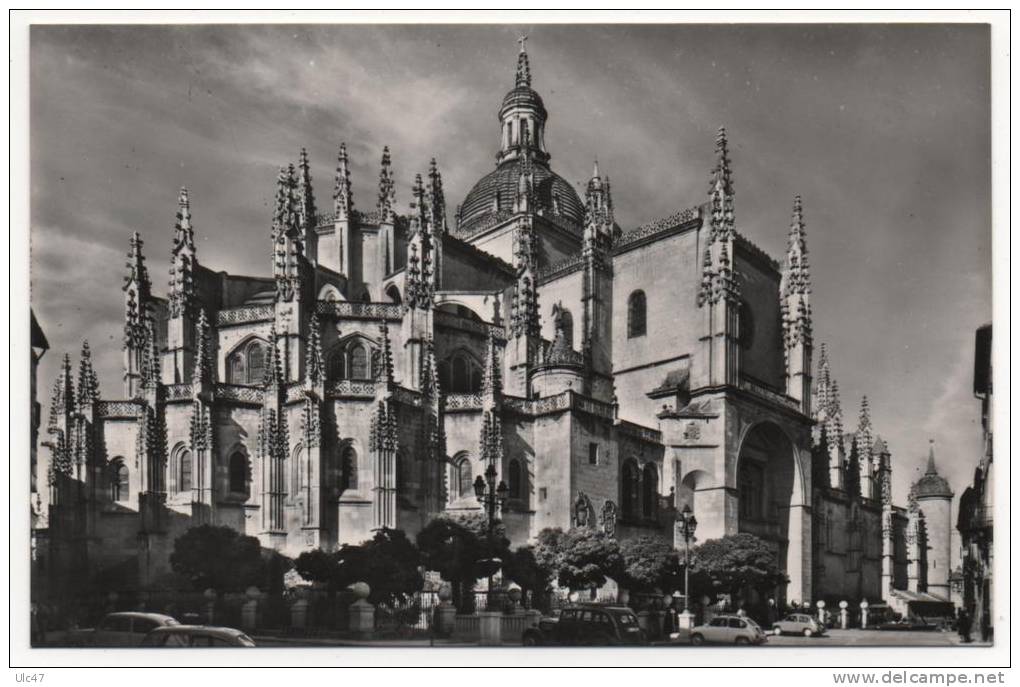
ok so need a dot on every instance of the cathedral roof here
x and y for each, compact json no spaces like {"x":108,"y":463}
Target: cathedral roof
{"x":553,"y":195}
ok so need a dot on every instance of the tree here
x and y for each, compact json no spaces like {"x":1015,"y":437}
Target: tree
{"x":650,"y":562}
{"x":734,"y":563}
{"x":521,"y":566}
{"x":587,"y":558}
{"x":389,"y":562}
{"x":454,"y":546}
{"x":218,"y":557}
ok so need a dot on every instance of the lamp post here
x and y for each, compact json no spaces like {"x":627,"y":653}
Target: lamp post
{"x":688,"y":524}
{"x":492,"y":497}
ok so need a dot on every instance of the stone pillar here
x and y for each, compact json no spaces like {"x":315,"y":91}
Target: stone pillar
{"x":210,"y":605}
{"x":361,"y":612}
{"x":490,"y":628}
{"x":299,"y":614}
{"x":864,"y":614}
{"x":250,"y":609}
{"x":445,"y":620}
{"x":844,"y":616}
{"x":821,"y":613}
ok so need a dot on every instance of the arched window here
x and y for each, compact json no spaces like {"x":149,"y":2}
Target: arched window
{"x":514,"y":478}
{"x":460,"y":374}
{"x":393,"y":293}
{"x":650,"y":495}
{"x":636,"y":324}
{"x":256,"y":363}
{"x":120,"y":484}
{"x":184,"y":472}
{"x":567,"y":322}
{"x":238,"y":474}
{"x":338,"y":365}
{"x":359,"y":363}
{"x":180,"y":469}
{"x":629,"y":486}
{"x":246,"y":365}
{"x":297,"y":470}
{"x":348,"y":469}
{"x":461,"y":477}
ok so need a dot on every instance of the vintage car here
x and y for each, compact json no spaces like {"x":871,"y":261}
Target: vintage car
{"x":587,"y":625}
{"x":728,"y":629}
{"x":125,"y":628}
{"x":798,"y":624}
{"x":195,"y":636}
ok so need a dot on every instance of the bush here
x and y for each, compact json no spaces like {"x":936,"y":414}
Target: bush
{"x":218,"y":557}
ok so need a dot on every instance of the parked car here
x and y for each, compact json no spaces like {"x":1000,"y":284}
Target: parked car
{"x":121,"y":629}
{"x":196,"y":636}
{"x":587,"y":625}
{"x":728,"y":629}
{"x":798,"y":624}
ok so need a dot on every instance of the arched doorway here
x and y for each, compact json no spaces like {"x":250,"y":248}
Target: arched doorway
{"x":771,"y":502}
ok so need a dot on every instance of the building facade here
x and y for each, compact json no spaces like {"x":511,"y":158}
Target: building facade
{"x":608,"y":376}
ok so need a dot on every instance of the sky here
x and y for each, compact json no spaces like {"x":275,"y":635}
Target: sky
{"x":884,"y":130}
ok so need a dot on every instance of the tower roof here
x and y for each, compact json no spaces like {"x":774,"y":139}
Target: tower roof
{"x":932,"y":484}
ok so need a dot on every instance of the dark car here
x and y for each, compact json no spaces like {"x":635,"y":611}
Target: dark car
{"x":588,"y":625}
{"x":196,"y":636}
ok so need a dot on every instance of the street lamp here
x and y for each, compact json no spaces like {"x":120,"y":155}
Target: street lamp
{"x":492,"y":497}
{"x":688,"y":523}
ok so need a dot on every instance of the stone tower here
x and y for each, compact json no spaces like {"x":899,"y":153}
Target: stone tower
{"x":934,"y":500}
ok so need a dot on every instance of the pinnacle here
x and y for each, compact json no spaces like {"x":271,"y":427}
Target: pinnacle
{"x":523,"y":78}
{"x":931,"y":458}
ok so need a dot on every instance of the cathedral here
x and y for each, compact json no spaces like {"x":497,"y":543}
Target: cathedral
{"x":396,"y":362}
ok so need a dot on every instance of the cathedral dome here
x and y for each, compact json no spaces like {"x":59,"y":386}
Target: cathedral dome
{"x":523,"y":97}
{"x":492,"y":198}
{"x":932,"y":484}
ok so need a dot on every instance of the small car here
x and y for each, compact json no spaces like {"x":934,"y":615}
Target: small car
{"x":196,"y":636}
{"x":728,"y":629}
{"x":587,"y":625}
{"x":798,"y":624}
{"x":125,"y":628}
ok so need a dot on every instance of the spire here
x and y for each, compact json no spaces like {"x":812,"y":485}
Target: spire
{"x":138,"y":290}
{"x":203,"y":371}
{"x":436,"y":200}
{"x":274,"y":373}
{"x":492,"y":384}
{"x":429,"y":376}
{"x":387,"y":189}
{"x":343,"y":198}
{"x":184,"y":235}
{"x":63,"y":400}
{"x":384,"y":371}
{"x":524,"y":318}
{"x":523,"y":78}
{"x":287,"y":244}
{"x":313,"y":355}
{"x":150,"y":357}
{"x":182,"y":264}
{"x":88,"y":382}
{"x":598,"y":209}
{"x":721,"y":191}
{"x":305,"y":197}
{"x":931,"y":459}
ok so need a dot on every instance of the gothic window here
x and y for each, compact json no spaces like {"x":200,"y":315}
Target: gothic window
{"x":359,"y":363}
{"x":461,"y":478}
{"x":514,"y":478}
{"x":630,"y":484}
{"x":238,"y":474}
{"x":650,"y":495}
{"x":297,"y":470}
{"x":184,"y":472}
{"x":348,"y":469}
{"x":120,"y":484}
{"x":746,"y":319}
{"x":393,"y":293}
{"x":567,"y":322}
{"x":751,"y":487}
{"x":636,"y":324}
{"x":246,"y":365}
{"x":460,"y":374}
{"x":338,"y":366}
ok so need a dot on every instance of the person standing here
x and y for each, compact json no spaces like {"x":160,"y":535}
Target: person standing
{"x":963,"y":626}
